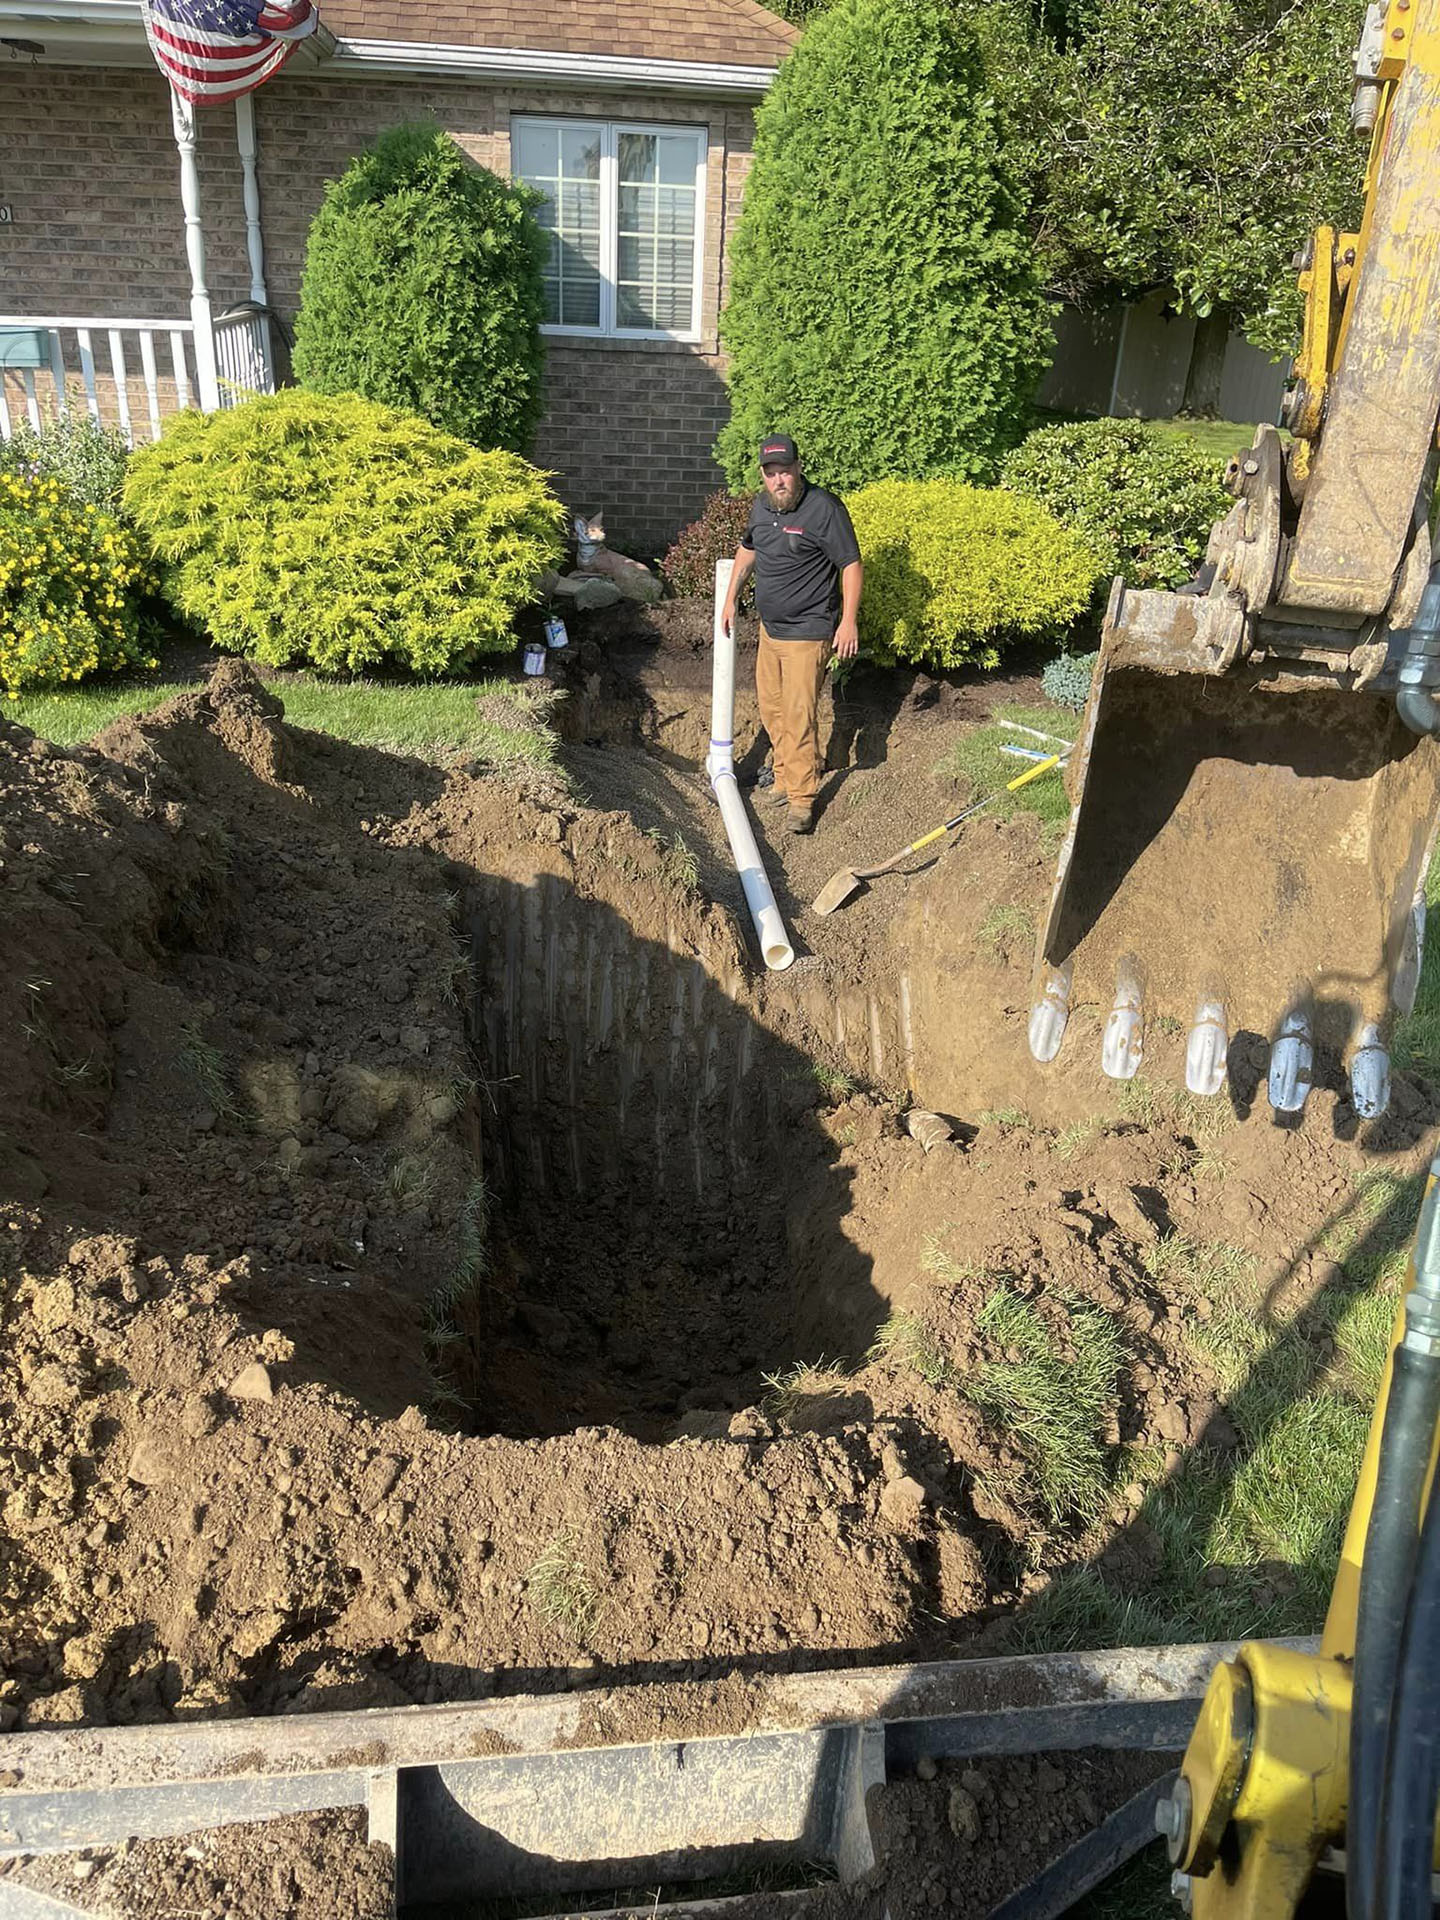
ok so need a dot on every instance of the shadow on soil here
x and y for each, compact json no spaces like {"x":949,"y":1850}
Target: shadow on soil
{"x":1277,"y":1457}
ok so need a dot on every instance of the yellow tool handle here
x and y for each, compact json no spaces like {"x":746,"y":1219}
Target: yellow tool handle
{"x":1030,"y":773}
{"x":1034,"y":773}
{"x":925,"y":839}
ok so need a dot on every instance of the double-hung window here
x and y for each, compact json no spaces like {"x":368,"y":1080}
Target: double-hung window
{"x":624,"y":207}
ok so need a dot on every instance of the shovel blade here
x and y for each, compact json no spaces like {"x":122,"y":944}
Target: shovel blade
{"x":837,"y":890}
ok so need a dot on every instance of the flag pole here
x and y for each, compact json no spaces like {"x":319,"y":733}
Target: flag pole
{"x":202,"y":320}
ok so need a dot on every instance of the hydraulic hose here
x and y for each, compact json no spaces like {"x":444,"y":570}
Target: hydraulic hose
{"x":1387,"y":1570}
{"x":1397,"y":1655}
{"x":1415,"y":702}
{"x":1412,"y":1772}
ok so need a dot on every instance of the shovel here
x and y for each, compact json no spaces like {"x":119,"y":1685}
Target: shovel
{"x":848,"y":881}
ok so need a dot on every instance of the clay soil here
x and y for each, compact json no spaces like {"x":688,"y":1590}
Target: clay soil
{"x":408,"y":1183}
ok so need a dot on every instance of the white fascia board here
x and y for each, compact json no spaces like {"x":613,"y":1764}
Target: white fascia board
{"x":533,"y":66}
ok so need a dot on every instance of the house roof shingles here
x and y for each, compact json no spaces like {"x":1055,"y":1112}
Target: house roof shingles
{"x":736,"y":33}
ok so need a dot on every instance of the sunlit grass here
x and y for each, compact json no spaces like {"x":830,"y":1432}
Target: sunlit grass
{"x":1051,"y":1394}
{"x":977,"y":766}
{"x":500,"y":722}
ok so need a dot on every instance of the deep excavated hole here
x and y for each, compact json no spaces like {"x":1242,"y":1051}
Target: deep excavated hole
{"x":645,"y":1141}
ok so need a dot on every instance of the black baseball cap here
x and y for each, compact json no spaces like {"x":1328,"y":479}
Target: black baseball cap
{"x":778,"y":449}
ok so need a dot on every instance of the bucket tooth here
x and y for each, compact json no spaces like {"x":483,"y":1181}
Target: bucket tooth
{"x":1049,"y":1014}
{"x":1207,"y":1048}
{"x":1124,"y":1042}
{"x":1406,"y":983}
{"x":1292,"y":1062}
{"x":1370,"y":1074}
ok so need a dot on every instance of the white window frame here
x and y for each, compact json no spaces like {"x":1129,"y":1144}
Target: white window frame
{"x":610,"y":131}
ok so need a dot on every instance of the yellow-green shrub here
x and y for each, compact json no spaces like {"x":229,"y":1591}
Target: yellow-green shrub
{"x":327,"y":529}
{"x":71,"y":578}
{"x":953,"y":572}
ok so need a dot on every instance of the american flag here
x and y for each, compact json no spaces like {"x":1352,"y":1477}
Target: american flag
{"x":215,"y":50}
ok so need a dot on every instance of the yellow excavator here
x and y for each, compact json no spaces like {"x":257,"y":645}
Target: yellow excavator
{"x":1307,"y":1766}
{"x":1255,"y":785}
{"x":1254,"y":803}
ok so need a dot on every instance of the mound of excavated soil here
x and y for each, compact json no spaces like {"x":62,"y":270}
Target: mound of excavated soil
{"x":407,"y":1187}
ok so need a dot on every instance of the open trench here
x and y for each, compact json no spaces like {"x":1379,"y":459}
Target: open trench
{"x":649,"y":1140}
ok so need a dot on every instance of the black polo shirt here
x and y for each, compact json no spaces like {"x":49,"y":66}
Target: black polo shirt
{"x":799,"y":557}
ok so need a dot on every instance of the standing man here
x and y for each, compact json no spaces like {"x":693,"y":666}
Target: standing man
{"x":807,"y":582}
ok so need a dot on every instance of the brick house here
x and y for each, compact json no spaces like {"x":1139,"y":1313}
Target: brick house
{"x":634,"y":116}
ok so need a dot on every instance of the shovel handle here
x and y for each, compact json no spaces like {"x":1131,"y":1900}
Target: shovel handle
{"x":938,"y":833}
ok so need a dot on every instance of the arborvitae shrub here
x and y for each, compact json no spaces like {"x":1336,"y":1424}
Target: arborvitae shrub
{"x":689,"y":566}
{"x":422,"y":289}
{"x":71,"y":583}
{"x":1144,"y":500}
{"x":884,"y":306}
{"x":953,"y":572}
{"x":302,"y":527}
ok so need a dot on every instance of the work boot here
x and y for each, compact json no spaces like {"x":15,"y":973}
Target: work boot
{"x":778,"y":798}
{"x":802,"y":818}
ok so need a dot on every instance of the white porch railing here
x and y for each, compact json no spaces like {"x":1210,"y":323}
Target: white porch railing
{"x":126,"y":373}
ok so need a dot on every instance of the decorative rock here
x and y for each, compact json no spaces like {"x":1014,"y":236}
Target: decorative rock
{"x":590,"y":592}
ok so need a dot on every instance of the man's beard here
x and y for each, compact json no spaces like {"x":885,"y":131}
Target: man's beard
{"x":784,"y":497}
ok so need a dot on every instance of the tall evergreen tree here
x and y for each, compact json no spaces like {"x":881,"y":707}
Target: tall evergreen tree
{"x":884,"y":307}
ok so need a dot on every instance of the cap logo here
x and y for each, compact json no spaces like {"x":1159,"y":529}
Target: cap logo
{"x":777,"y":449}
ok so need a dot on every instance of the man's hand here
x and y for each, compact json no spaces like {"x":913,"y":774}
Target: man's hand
{"x":727,"y":618}
{"x":847,"y":639}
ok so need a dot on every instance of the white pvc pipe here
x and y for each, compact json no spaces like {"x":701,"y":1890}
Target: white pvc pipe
{"x":720,"y":765}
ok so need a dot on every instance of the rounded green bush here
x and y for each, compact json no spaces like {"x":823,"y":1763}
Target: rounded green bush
{"x":953,"y":572}
{"x":1144,"y":500}
{"x":71,"y":582}
{"x":329,"y":530}
{"x":422,"y":289}
{"x":884,"y":305}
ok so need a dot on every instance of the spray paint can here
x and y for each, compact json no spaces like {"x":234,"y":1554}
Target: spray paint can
{"x":555,"y":635}
{"x":534,"y":657}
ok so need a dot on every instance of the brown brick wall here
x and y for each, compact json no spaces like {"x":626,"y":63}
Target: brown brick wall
{"x":89,"y":165}
{"x":629,"y":432}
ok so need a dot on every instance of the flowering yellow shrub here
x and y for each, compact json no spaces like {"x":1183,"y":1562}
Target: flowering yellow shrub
{"x":70,"y":582}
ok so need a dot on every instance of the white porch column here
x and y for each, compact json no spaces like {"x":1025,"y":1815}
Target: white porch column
{"x":206,"y":380}
{"x":254,"y":242}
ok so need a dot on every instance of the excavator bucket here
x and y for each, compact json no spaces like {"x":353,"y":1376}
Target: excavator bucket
{"x":1246,"y":853}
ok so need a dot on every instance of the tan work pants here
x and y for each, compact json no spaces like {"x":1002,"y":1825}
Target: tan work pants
{"x":788,"y":677}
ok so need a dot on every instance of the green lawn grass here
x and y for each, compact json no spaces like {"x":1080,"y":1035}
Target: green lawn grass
{"x":1219,"y":438}
{"x":978,"y":767}
{"x":500,"y":722}
{"x":1246,"y":1537}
